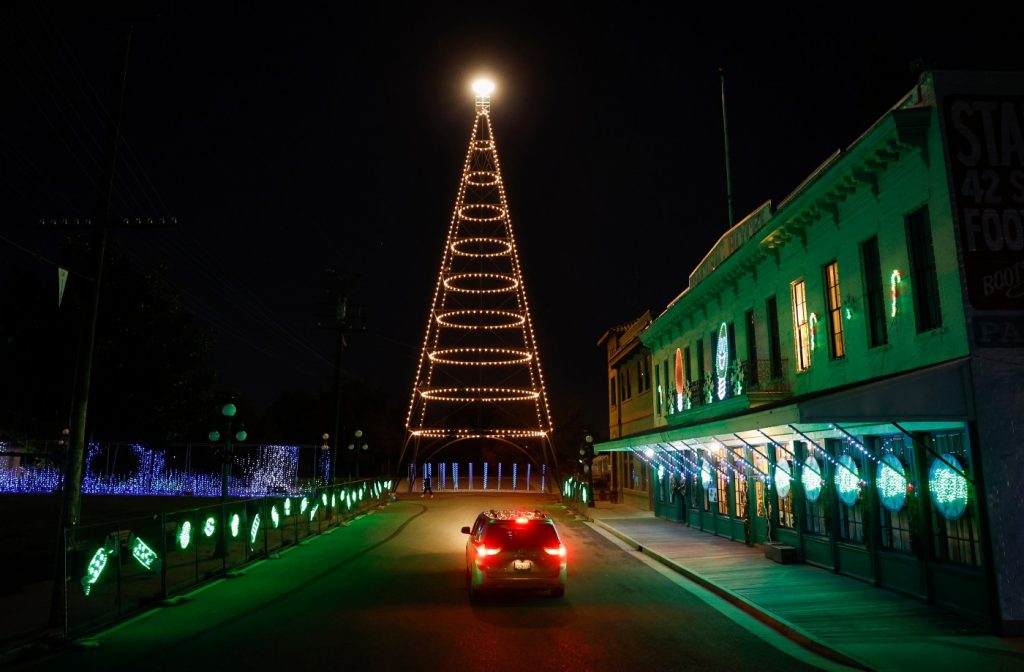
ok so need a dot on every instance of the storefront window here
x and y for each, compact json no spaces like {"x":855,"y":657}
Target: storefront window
{"x":812,"y":478}
{"x":742,"y":497}
{"x":849,"y":497}
{"x":784,"y":486}
{"x":894,"y":454}
{"x":723,"y":494}
{"x":761,"y":462}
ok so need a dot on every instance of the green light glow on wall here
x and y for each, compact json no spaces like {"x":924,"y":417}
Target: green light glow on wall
{"x":782,"y":479}
{"x":145,"y":555}
{"x":303,"y":505}
{"x":95,"y":568}
{"x":312,"y":512}
{"x":235,"y":521}
{"x":891,"y":482}
{"x":847,"y":480}
{"x":210,"y":526}
{"x":894,"y":291}
{"x":948,"y":486}
{"x":810,"y":477}
{"x":254,"y":529}
{"x":705,"y":474}
{"x":812,"y":327}
{"x":275,"y":519}
{"x":184,"y":535}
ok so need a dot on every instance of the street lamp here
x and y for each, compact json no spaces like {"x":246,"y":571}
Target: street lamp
{"x":587,"y":460}
{"x":228,"y":411}
{"x":357,"y":446}
{"x":324,"y":447}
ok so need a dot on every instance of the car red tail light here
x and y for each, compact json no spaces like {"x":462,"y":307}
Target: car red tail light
{"x":482,"y":551}
{"x":556,"y":551}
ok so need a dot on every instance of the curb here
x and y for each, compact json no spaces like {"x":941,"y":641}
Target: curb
{"x":775,"y":622}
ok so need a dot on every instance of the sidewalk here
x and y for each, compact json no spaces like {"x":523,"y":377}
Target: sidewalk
{"x":839,"y":617}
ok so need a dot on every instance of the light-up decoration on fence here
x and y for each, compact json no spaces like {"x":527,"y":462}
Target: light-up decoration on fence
{"x":209,"y":526}
{"x":812,"y":329}
{"x":235,"y":521}
{"x":722,"y":360}
{"x":288,"y":507}
{"x":96,"y":566}
{"x":891,"y":482}
{"x":254,"y":529}
{"x":144,"y":555}
{"x":810,"y":478}
{"x":783,"y":481}
{"x":485,"y":475}
{"x":275,"y":517}
{"x":847,"y":480}
{"x":323,"y":498}
{"x":312,"y":512}
{"x":894,"y":290}
{"x":948,"y":486}
{"x":183,"y":535}
{"x":303,"y":505}
{"x":583,"y":493}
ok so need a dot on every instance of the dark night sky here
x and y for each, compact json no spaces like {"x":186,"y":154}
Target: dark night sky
{"x":289,"y":140}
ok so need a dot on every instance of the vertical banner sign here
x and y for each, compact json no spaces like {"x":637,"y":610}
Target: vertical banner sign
{"x":984,"y":135}
{"x":62,"y":281}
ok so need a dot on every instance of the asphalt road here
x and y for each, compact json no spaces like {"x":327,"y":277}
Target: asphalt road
{"x":387,"y":593}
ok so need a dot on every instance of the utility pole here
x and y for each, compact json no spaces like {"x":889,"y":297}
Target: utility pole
{"x":342,"y":321}
{"x":725,"y":130}
{"x":71,"y":484}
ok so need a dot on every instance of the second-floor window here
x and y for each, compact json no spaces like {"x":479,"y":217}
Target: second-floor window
{"x":748,"y":320}
{"x":923,"y":279}
{"x":612,"y":396}
{"x":700,"y":359}
{"x":801,"y":332}
{"x":774,"y":341}
{"x":836,"y":344}
{"x":874,"y":293}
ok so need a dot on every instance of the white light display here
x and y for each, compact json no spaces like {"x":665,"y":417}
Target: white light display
{"x":810,"y":478}
{"x":783,"y":480}
{"x":949,"y":488}
{"x":722,"y":360}
{"x":891,"y":482}
{"x":847,"y":480}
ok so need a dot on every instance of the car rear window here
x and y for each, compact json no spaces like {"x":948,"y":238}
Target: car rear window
{"x":512,"y":536}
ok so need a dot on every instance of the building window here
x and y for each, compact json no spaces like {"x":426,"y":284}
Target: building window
{"x":774,"y":341}
{"x":760,"y":463}
{"x":837,"y":346}
{"x":751,"y":370}
{"x":742,"y":494}
{"x":611,"y":392}
{"x":923,"y":279}
{"x":801,"y":332}
{"x":670,"y":388}
{"x":785,"y":503}
{"x":723,"y":493}
{"x":874,"y":292}
{"x":627,"y":390}
{"x":895,"y":525}
{"x":658,"y":390}
{"x":955,"y":540}
{"x":687,"y":369}
{"x":851,"y":517}
{"x":700,"y":359}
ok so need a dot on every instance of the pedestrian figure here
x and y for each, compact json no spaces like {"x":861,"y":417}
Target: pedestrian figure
{"x":426,"y":486}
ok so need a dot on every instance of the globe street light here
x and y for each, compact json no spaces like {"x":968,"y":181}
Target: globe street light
{"x":357,"y":446}
{"x":324,"y":447}
{"x":228,"y":411}
{"x":587,"y":460}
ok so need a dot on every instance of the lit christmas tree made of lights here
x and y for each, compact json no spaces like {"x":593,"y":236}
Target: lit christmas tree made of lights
{"x":479,"y":375}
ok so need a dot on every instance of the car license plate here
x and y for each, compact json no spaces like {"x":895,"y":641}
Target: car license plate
{"x":522,"y":565}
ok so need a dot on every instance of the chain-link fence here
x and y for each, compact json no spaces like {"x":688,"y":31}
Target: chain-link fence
{"x":116,"y":568}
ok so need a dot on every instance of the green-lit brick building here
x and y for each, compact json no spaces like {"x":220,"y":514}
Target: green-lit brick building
{"x":842,"y":374}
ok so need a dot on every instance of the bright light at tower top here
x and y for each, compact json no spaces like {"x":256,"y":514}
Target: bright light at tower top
{"x":483,"y":87}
